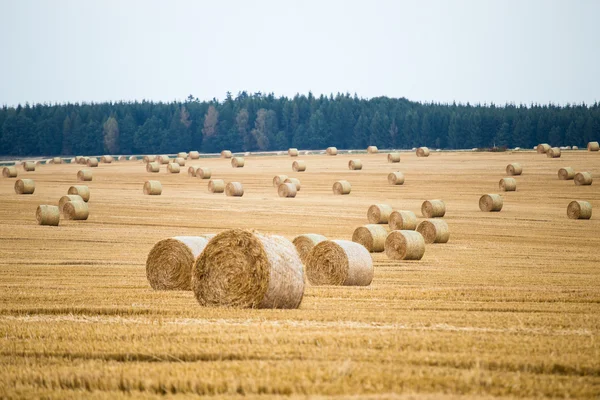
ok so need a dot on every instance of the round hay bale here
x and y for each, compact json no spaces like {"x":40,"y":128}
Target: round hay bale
{"x":152,"y":188}
{"x":393,"y":157}
{"x":593,"y":146}
{"x":295,"y":182}
{"x":24,"y":186}
{"x":180,"y":161}
{"x":402,"y":221}
{"x":305,"y":243}
{"x":67,"y":199}
{"x":354,"y":165}
{"x":372,"y":150}
{"x":299,"y":166}
{"x":170,"y":262}
{"x":575,"y":148}
{"x":192,"y":171}
{"x":132,"y":158}
{"x":237,"y":162}
{"x":78,"y":159}
{"x":122,"y":158}
{"x":490,"y":203}
{"x":9,"y":172}
{"x":234,"y":189}
{"x":513,"y":169}
{"x":287,"y":190}
{"x":57,"y":160}
{"x":106,"y":159}
{"x":226,"y":154}
{"x":422,"y":152}
{"x":583,"y":179}
{"x":404,"y":245}
{"x":278,"y":180}
{"x":342,"y":187}
{"x":92,"y":162}
{"x":182,"y":154}
{"x":379,"y":213}
{"x":194,"y":155}
{"x":84,"y":175}
{"x":149,"y":159}
{"x":507,"y":184}
{"x":153,"y":167}
{"x":47,"y":215}
{"x":579,"y":210}
{"x":292,"y":152}
{"x":543,"y":148}
{"x":339,"y":262}
{"x":554,"y":152}
{"x":173,"y":168}
{"x":433,"y":209}
{"x":76,"y":210}
{"x":566,"y":174}
{"x":29,"y":166}
{"x":371,"y":236}
{"x":395,"y":178}
{"x":307,"y":153}
{"x":81,"y":190}
{"x":72,"y":161}
{"x":216,"y":186}
{"x":203,"y":173}
{"x":331,"y":151}
{"x":248,"y":270}
{"x":163,"y":159}
{"x":434,"y":231}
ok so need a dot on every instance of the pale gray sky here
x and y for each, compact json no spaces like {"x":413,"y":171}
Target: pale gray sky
{"x":468,"y":50}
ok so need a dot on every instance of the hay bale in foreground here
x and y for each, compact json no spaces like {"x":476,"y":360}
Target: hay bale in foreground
{"x":234,"y":189}
{"x":47,"y":215}
{"x":342,"y":187}
{"x":543,"y":148}
{"x":423,"y":152}
{"x":153,"y":167}
{"x":173,"y":168}
{"x":29,"y":166}
{"x":237,"y":162}
{"x":76,"y":210}
{"x":194,"y":155}
{"x":566,"y":174}
{"x":81,"y":190}
{"x":295,"y":182}
{"x":402,"y":221}
{"x":292,"y":152}
{"x":554,"y":152}
{"x":203,"y":173}
{"x":507,"y":184}
{"x":372,"y":150}
{"x":579,"y":210}
{"x":593,"y":146}
{"x":305,"y":243}
{"x":434,"y":231}
{"x":152,"y":188}
{"x":513,"y":169}
{"x":248,"y":270}
{"x":404,"y":245}
{"x":339,"y":262}
{"x":331,"y":151}
{"x":84,"y":175}
{"x":278,"y":180}
{"x":216,"y":186}
{"x":92,"y":162}
{"x":149,"y":159}
{"x":299,"y":166}
{"x":9,"y":172}
{"x":490,"y":203}
{"x":395,"y":178}
{"x":192,"y":171}
{"x":433,"y":209}
{"x":371,"y":236}
{"x":354,"y":165}
{"x":180,"y":161}
{"x":24,"y":186}
{"x":226,"y":154}
{"x":287,"y":190}
{"x":393,"y":157}
{"x":583,"y":179}
{"x":379,"y":213}
{"x":67,"y":199}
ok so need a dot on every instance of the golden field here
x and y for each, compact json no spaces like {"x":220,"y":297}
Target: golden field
{"x":510,"y":307}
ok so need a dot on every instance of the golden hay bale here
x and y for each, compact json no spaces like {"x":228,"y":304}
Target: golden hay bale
{"x":203,"y":173}
{"x":294,"y":181}
{"x":372,"y":236}
{"x":72,"y":161}
{"x":163,"y":159}
{"x":593,"y":146}
{"x":83,"y":160}
{"x":192,"y":171}
{"x":554,"y":152}
{"x":149,"y":159}
{"x":507,"y":184}
{"x":182,"y":154}
{"x":47,"y":215}
{"x":226,"y":154}
{"x":216,"y":186}
{"x":434,"y":231}
{"x":299,"y":166}
{"x":287,"y":190}
{"x":292,"y":152}
{"x":9,"y":172}
{"x":67,"y":199}
{"x":379,"y":213}
{"x":106,"y":159}
{"x":170,"y":262}
{"x":237,"y":162}
{"x":78,"y":159}
{"x":339,"y":262}
{"x":84,"y":175}
{"x":278,"y":180}
{"x":354,"y":165}
{"x":393,"y":157}
{"x":180,"y":161}
{"x":173,"y":168}
{"x":490,"y":202}
{"x":342,"y":187}
{"x":153,"y":167}
{"x":402,"y":221}
{"x":122,"y":158}
{"x":423,"y":152}
{"x":513,"y":169}
{"x":566,"y":174}
{"x":132,"y":158}
{"x":543,"y":148}
{"x":372,"y":150}
{"x":76,"y":210}
{"x":395,"y":178}
{"x":234,"y":189}
{"x":433,"y":209}
{"x":575,"y":148}
{"x":24,"y":186}
{"x":81,"y":190}
{"x":92,"y":162}
{"x":579,"y":210}
{"x":29,"y":166}
{"x":152,"y":188}
{"x":331,"y":151}
{"x":194,"y":155}
{"x":404,"y":245}
{"x":305,"y":243}
{"x":583,"y":179}
{"x":57,"y":160}
{"x":248,"y":270}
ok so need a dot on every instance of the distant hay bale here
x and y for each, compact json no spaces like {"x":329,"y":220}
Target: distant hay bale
{"x":40,"y":162}
{"x":78,"y":159}
{"x":379,"y":213}
{"x":513,"y":169}
{"x":149,"y":159}
{"x":122,"y":158}
{"x":543,"y":148}
{"x":81,"y":190}
{"x":47,"y":215}
{"x":593,"y":146}
{"x":490,"y":203}
{"x":305,"y":243}
{"x":393,"y":157}
{"x":153,"y":167}
{"x":234,"y":189}
{"x":579,"y":210}
{"x":246,"y":154}
{"x":434,"y":231}
{"x":248,"y":270}
{"x":76,"y":210}
{"x":29,"y":166}
{"x":575,"y":148}
{"x":163,"y":159}
{"x":9,"y":172}
{"x":278,"y":180}
{"x":395,"y":178}
{"x":92,"y":162}
{"x":194,"y":155}
{"x":24,"y":186}
{"x":292,"y":152}
{"x":132,"y":158}
{"x":553,"y":152}
{"x":402,"y":221}
{"x":237,"y":162}
{"x":203,"y":173}
{"x":566,"y":174}
{"x":339,"y":262}
{"x":331,"y":151}
{"x":106,"y":159}
{"x":216,"y":186}
{"x":342,"y":187}
{"x":180,"y":161}
{"x":307,"y":153}
{"x":67,"y":199}
{"x":295,"y":182}
{"x":57,"y":160}
{"x":84,"y":160}
{"x":287,"y":190}
{"x":192,"y":171}
{"x":299,"y":166}
{"x":507,"y":184}
{"x":84,"y":175}
{"x":583,"y":179}
{"x":371,"y":236}
{"x":433,"y":209}
{"x":152,"y":188}
{"x":173,"y":168}
{"x":372,"y":150}
{"x":182,"y":154}
{"x":404,"y":245}
{"x":226,"y":154}
{"x":422,"y":152}
{"x":354,"y":165}
{"x":72,"y":161}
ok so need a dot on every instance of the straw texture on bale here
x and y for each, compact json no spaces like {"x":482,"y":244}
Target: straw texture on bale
{"x":81,"y":190}
{"x":292,"y":152}
{"x":152,"y":188}
{"x":226,"y":154}
{"x":543,"y":148}
{"x":173,"y":168}
{"x":278,"y":180}
{"x":295,"y":182}
{"x":404,"y":245}
{"x":305,"y":243}
{"x":339,"y":262}
{"x":566,"y":174}
{"x":379,"y":213}
{"x":393,"y":157}
{"x":490,"y":203}
{"x":583,"y":179}
{"x":234,"y":189}
{"x":122,"y":158}
{"x":434,"y":231}
{"x":248,"y":270}
{"x":395,"y":178}
{"x":132,"y":158}
{"x":286,"y":190}
{"x":372,"y":149}
{"x":513,"y":169}
{"x":170,"y":262}
{"x":149,"y":159}
{"x":203,"y":173}
{"x":84,"y":175}
{"x":9,"y":172}
{"x":579,"y":210}
{"x":76,"y":210}
{"x":423,"y":152}
{"x":554,"y":152}
{"x":371,"y":236}
{"x":24,"y":186}
{"x":354,"y":165}
{"x":163,"y":159}
{"x":67,"y":199}
{"x":507,"y":184}
{"x":216,"y":186}
{"x":192,"y":171}
{"x":433,"y":209}
{"x":29,"y":166}
{"x":593,"y":146}
{"x":299,"y":166}
{"x":47,"y":215}
{"x":182,"y":154}
{"x":237,"y":162}
{"x":342,"y":187}
{"x":331,"y":151}
{"x":153,"y":167}
{"x":194,"y":155}
{"x":92,"y":162}
{"x":403,"y":221}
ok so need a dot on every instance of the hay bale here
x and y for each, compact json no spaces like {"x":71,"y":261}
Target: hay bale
{"x":106,"y":159}
{"x":9,"y":172}
{"x":153,"y":167}
{"x":404,"y":245}
{"x":170,"y":262}
{"x":393,"y":157}
{"x":67,"y":199}
{"x":84,"y":175}
{"x":78,"y":159}
{"x":579,"y":210}
{"x":163,"y":159}
{"x":299,"y":166}
{"x":72,"y":161}
{"x":182,"y":154}
{"x":342,"y":187}
{"x":422,"y":152}
{"x":575,"y":148}
{"x":331,"y":151}
{"x":543,"y":148}
{"x":216,"y":186}
{"x":372,"y":150}
{"x":583,"y":179}
{"x":57,"y":160}
{"x":433,"y":209}
{"x":24,"y":186}
{"x":173,"y":168}
{"x":371,"y":236}
{"x":29,"y":166}
{"x":132,"y":158}
{"x":513,"y":169}
{"x":593,"y":146}
{"x":226,"y":154}
{"x":402,"y":221}
{"x":122,"y":158}
{"x":566,"y":174}
{"x":379,"y":213}
{"x":81,"y":190}
{"x":307,"y":153}
{"x":203,"y":173}
{"x":180,"y":161}
{"x":149,"y":159}
{"x":292,"y":152}
{"x":248,"y":270}
{"x":507,"y":184}
{"x":192,"y":171}
{"x":287,"y":190}
{"x":152,"y":188}
{"x":339,"y":262}
{"x":354,"y":165}
{"x":234,"y":189}
{"x":305,"y":243}
{"x":554,"y":152}
{"x":47,"y":215}
{"x":194,"y":155}
{"x":395,"y":178}
{"x":434,"y":231}
{"x":40,"y":162}
{"x":490,"y":203}
{"x":237,"y":162}
{"x":278,"y":180}
{"x":295,"y":182}
{"x":76,"y":210}
{"x":92,"y":162}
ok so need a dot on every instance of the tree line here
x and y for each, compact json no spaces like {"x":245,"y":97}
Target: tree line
{"x":252,"y":122}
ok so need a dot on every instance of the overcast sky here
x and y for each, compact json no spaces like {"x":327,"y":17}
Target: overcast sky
{"x":465,"y":51}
